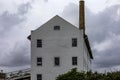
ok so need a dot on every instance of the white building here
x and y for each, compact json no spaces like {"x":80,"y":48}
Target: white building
{"x":58,"y":46}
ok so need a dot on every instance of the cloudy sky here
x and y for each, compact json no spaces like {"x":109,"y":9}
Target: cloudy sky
{"x":19,"y":17}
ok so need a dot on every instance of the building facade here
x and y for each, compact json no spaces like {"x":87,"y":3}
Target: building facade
{"x":58,"y":46}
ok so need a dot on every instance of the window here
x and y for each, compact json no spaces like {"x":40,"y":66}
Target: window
{"x":39,"y":61}
{"x":39,"y":76}
{"x":74,"y":42}
{"x":56,"y":27}
{"x":57,"y":61}
{"x":39,"y":43}
{"x":74,"y":60}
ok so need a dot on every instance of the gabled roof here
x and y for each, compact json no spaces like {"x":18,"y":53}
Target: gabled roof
{"x":57,"y":18}
{"x":29,"y":37}
{"x":85,"y":36}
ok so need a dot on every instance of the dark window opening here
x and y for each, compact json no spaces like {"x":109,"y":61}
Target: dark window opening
{"x":39,"y":76}
{"x":57,"y":61}
{"x":56,"y":27}
{"x":39,"y":43}
{"x":39,"y":61}
{"x":74,"y":42}
{"x":74,"y":60}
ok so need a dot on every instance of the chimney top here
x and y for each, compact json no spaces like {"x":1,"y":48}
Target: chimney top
{"x":81,"y":16}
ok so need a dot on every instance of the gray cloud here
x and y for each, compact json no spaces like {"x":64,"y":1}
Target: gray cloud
{"x":23,"y":8}
{"x":99,"y":28}
{"x":8,"y":20}
{"x":46,"y":0}
{"x":102,"y":25}
{"x":14,"y":52}
{"x":18,"y":56}
{"x":70,"y":13}
{"x":110,"y":57}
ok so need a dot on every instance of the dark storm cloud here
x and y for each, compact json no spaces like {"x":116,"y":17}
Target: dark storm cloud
{"x":19,"y":56}
{"x":104,"y":24}
{"x":13,"y":53}
{"x":108,"y":58}
{"x":99,"y":28}
{"x":9,"y":20}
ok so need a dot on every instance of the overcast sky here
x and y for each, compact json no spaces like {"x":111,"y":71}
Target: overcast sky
{"x":19,"y":17}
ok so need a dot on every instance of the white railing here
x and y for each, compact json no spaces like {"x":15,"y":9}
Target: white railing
{"x":18,"y":74}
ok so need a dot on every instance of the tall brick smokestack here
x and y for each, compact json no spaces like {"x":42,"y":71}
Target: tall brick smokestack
{"x":81,"y":16}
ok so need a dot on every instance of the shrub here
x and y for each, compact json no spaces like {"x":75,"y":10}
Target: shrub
{"x":75,"y":75}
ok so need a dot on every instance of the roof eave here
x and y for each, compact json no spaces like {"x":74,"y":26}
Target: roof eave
{"x":88,"y":45}
{"x":29,"y":37}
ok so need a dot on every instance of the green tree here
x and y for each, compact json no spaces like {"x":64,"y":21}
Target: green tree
{"x":75,"y":75}
{"x":72,"y":75}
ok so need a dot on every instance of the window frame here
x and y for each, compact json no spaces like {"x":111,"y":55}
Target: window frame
{"x":39,"y":61}
{"x":56,"y":28}
{"x":39,"y":43}
{"x":74,"y":42}
{"x":39,"y":76}
{"x":75,"y":60}
{"x":57,"y":61}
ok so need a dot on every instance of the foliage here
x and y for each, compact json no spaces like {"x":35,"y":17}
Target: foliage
{"x":75,"y":75}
